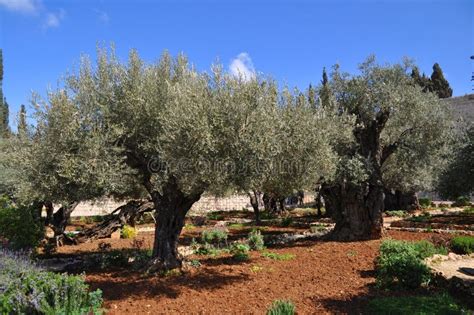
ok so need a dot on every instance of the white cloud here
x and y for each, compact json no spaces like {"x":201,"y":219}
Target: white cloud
{"x":102,"y":16}
{"x":21,"y":6}
{"x":54,"y":19}
{"x":242,"y":66}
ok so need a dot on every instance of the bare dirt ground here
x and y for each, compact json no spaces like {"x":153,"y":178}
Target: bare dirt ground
{"x":324,"y":277}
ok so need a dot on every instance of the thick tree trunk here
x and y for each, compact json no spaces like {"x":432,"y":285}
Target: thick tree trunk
{"x":270,"y":202}
{"x":358,"y":207}
{"x":59,"y":222}
{"x":49,"y":212}
{"x":254,"y":202}
{"x":171,"y":208}
{"x":125,"y":214}
{"x":281,"y":202}
{"x":61,"y":217}
{"x":357,"y":212}
{"x":398,"y":200}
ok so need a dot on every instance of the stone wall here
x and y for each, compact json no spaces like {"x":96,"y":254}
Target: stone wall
{"x":205,"y":204}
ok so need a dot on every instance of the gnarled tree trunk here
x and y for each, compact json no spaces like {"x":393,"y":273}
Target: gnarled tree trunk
{"x":125,"y":214}
{"x":358,"y":206}
{"x":253,"y":195}
{"x":398,"y":200}
{"x":61,"y":217}
{"x":172,"y":207}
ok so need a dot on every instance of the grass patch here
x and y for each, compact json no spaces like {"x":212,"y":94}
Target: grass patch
{"x":276,"y":256}
{"x":236,"y":226}
{"x":415,"y":305}
{"x":396,"y":213}
{"x":281,"y":307}
{"x":463,"y":244}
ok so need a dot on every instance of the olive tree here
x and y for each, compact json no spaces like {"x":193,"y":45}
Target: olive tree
{"x":64,"y":161}
{"x":173,"y":130}
{"x":395,"y":122}
{"x":286,"y":148}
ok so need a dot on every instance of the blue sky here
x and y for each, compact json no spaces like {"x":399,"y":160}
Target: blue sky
{"x":290,"y":40}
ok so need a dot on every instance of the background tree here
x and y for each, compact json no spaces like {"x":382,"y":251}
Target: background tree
{"x":458,"y":177}
{"x":4,"y":111}
{"x":22,"y":124}
{"x":391,"y":115}
{"x":440,"y":84}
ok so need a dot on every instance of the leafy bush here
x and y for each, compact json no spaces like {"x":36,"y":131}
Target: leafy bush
{"x":424,"y":202}
{"x":286,"y":221}
{"x":18,"y":225}
{"x":281,"y":307}
{"x":255,"y":240}
{"x":420,"y":218}
{"x":396,"y":213}
{"x":214,"y":236}
{"x":128,"y":232}
{"x":469,"y":210}
{"x":438,"y":304}
{"x":215,"y":215}
{"x":427,"y":249}
{"x":240,"y":251}
{"x":400,"y":263}
{"x":276,"y":256}
{"x":462,"y":201}
{"x":463,"y":244}
{"x":27,"y":289}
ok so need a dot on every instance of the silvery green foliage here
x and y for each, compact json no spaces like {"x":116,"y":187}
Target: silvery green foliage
{"x":283,"y":143}
{"x":67,"y":158}
{"x":414,"y":136}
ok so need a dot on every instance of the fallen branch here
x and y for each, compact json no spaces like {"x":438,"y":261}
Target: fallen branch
{"x":125,"y":214}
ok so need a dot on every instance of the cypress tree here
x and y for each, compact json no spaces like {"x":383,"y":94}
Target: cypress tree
{"x":440,"y":84}
{"x":4,"y":112}
{"x":22,"y":126}
{"x":325,"y":92}
{"x":312,"y":96}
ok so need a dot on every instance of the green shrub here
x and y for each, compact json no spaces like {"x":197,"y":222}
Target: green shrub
{"x":255,"y":240}
{"x":128,"y":232}
{"x":286,"y":221}
{"x":281,"y":307}
{"x":420,"y":218}
{"x":424,"y":202}
{"x":215,"y":215}
{"x":401,"y":264}
{"x":427,"y":249}
{"x":463,"y":244}
{"x":27,"y":289}
{"x":214,"y":236}
{"x":438,"y":304}
{"x":276,"y":256}
{"x":240,"y":251}
{"x":396,"y":213}
{"x":469,"y":210}
{"x":18,"y":225}
{"x":462,"y":201}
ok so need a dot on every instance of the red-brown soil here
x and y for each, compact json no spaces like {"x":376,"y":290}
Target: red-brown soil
{"x":324,"y":277}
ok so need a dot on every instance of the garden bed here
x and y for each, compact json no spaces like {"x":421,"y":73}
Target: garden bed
{"x":318,"y":276}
